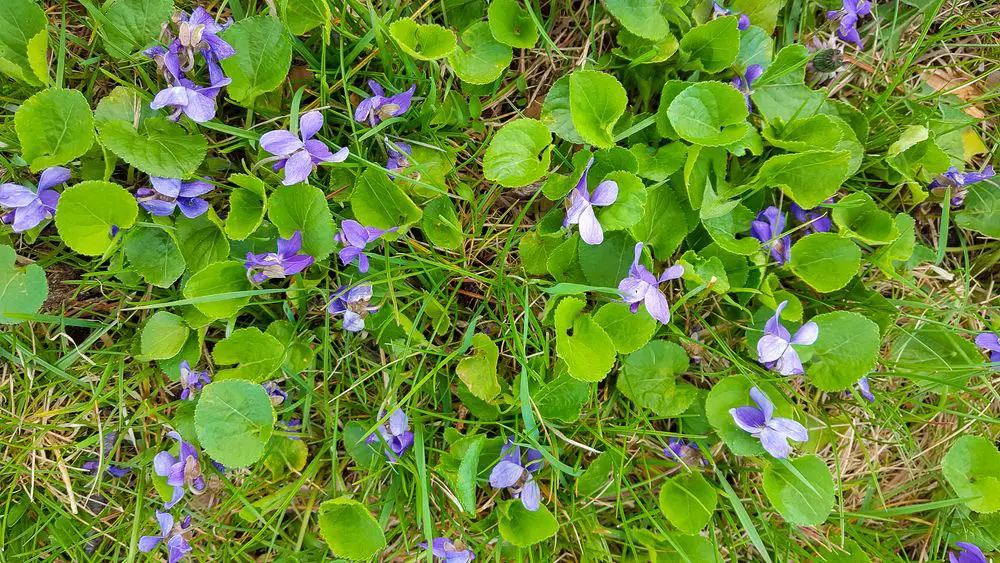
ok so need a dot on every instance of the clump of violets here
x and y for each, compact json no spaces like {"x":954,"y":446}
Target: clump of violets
{"x":191,"y":380}
{"x":683,"y":451}
{"x":514,"y":474}
{"x":448,"y":551}
{"x":744,"y":83}
{"x":865,"y":389}
{"x":767,"y":228}
{"x":396,"y":435}
{"x":183,"y":471}
{"x":775,"y":349}
{"x":379,"y":107}
{"x":817,"y":219}
{"x":773,"y":432}
{"x":641,"y":286}
{"x":168,"y":194}
{"x":355,"y":236}
{"x":581,"y":206}
{"x":354,"y":304}
{"x":172,"y":535}
{"x":968,"y":553}
{"x":989,"y":342}
{"x":300,"y":155}
{"x":719,"y":11}
{"x":399,"y":157}
{"x":29,"y":208}
{"x":274,"y":265}
{"x":847,"y":19}
{"x":958,"y":182}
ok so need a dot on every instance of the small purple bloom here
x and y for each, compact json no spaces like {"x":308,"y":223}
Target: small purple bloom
{"x":773,"y":432}
{"x":199,"y":31}
{"x":275,"y":392}
{"x":958,"y":182}
{"x":192,"y":381}
{"x":718,"y":12}
{"x":29,"y":208}
{"x":775,"y":350}
{"x":848,"y":19}
{"x":817,"y":218}
{"x":582,"y":202}
{"x":865,"y":389}
{"x":398,"y":159}
{"x":516,"y":476}
{"x":641,"y":286}
{"x":679,"y":450}
{"x":444,"y":549}
{"x":767,"y":228}
{"x":182,"y":471}
{"x":396,"y":434}
{"x":970,"y":553}
{"x":989,"y":342}
{"x":196,"y":102}
{"x":177,"y":545}
{"x":299,"y":156}
{"x":113,"y":470}
{"x":744,"y":83}
{"x":355,"y":236}
{"x":354,"y":304}
{"x":170,"y":193}
{"x":379,"y":107}
{"x":285,"y":262}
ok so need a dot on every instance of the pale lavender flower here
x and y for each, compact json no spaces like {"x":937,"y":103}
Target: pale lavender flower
{"x":817,"y":218}
{"x":168,"y":194}
{"x":396,"y":435}
{"x":199,"y":31}
{"x":581,"y":208}
{"x":516,"y":476}
{"x":989,"y":342}
{"x":847,"y":17}
{"x":958,"y":182}
{"x":399,"y":157}
{"x":181,"y":472}
{"x":444,"y":549}
{"x":29,"y":208}
{"x":191,"y":380}
{"x":773,"y":432}
{"x":177,"y":544}
{"x":775,"y":349}
{"x":196,"y":102}
{"x":355,"y":236}
{"x":744,"y":83}
{"x":285,"y":262}
{"x":970,"y":553}
{"x":767,"y":228}
{"x":299,"y":156}
{"x":865,"y":389}
{"x":380,"y":107}
{"x":641,"y":286}
{"x":354,"y":304}
{"x":718,"y":11}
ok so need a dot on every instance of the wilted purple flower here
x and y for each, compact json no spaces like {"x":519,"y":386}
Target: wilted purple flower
{"x":399,"y":157}
{"x":93,"y":465}
{"x":396,"y":434}
{"x":718,"y":12}
{"x":510,"y":473}
{"x":444,"y":549}
{"x":354,"y":304}
{"x":775,"y":350}
{"x":683,"y":451}
{"x":989,"y":342}
{"x":744,"y":83}
{"x":379,"y":107}
{"x":177,"y":545}
{"x":582,"y":202}
{"x":276,"y":394}
{"x":817,"y":218}
{"x":355,"y":236}
{"x":285,"y":262}
{"x":970,"y":554}
{"x":196,"y":102}
{"x":199,"y":31}
{"x":29,"y":208}
{"x":191,"y":380}
{"x":641,"y":286}
{"x":182,"y":471}
{"x":848,"y":17}
{"x":958,"y":182}
{"x":865,"y":389}
{"x":773,"y":432}
{"x":767,"y":228}
{"x":299,"y":156}
{"x":170,"y":193}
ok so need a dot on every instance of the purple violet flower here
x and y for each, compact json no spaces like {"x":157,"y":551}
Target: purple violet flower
{"x":379,"y":107}
{"x":970,"y":553}
{"x":958,"y":182}
{"x":285,"y":262}
{"x":275,"y":393}
{"x":355,"y":236}
{"x":989,"y":342}
{"x":817,"y":218}
{"x":641,"y":286}
{"x":767,"y":228}
{"x":200,"y":32}
{"x":865,"y":389}
{"x":745,"y":82}
{"x":848,"y":19}
{"x":182,"y":471}
{"x":93,"y":465}
{"x":299,"y":156}
{"x":354,"y":304}
{"x":396,"y":434}
{"x":775,"y":349}
{"x":444,"y":549}
{"x":191,"y":380}
{"x":398,"y":159}
{"x":29,"y":208}
{"x":177,"y":545}
{"x":510,"y":473}
{"x":773,"y":432}
{"x":581,"y":208}
{"x":718,"y":12}
{"x":680,"y":451}
{"x":170,"y":193}
{"x":196,"y":102}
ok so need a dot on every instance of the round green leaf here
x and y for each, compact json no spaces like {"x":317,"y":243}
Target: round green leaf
{"x":304,"y":208}
{"x":970,"y":467}
{"x":202,"y":240}
{"x":263,"y":57}
{"x":688,"y":501}
{"x":588,"y":351}
{"x":802,"y":134}
{"x":562,"y":398}
{"x":641,"y":51}
{"x":845,"y":350}
{"x":54,"y":126}
{"x":22,"y":292}
{"x":479,"y":371}
{"x":756,"y":48}
{"x":556,"y":112}
{"x":648,"y":378}
{"x":154,"y":255}
{"x":302,"y":16}
{"x":734,"y":391}
{"x":597,"y":100}
{"x":803,"y":496}
{"x":709,"y":113}
{"x":378,"y":202}
{"x":133,"y":25}
{"x":20,"y":22}
{"x":87,"y":211}
{"x":522,"y":527}
{"x":643,"y":17}
{"x":628,"y":209}
{"x":511,"y":24}
{"x":285,"y":455}
{"x":441,"y":223}
{"x":349,"y":529}
{"x":606,"y":264}
{"x":424,"y":42}
{"x":809,"y":178}
{"x":157,"y":146}
{"x":712,"y":46}
{"x":163,"y":336}
{"x":629,"y":331}
{"x":982,"y":208}
{"x":665,"y":222}
{"x":213,"y":285}
{"x":234,"y":420}
{"x":247,"y":204}
{"x":479,"y":57}
{"x":258,"y":355}
{"x":858,"y":216}
{"x":825,"y":261}
{"x":518,"y":154}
